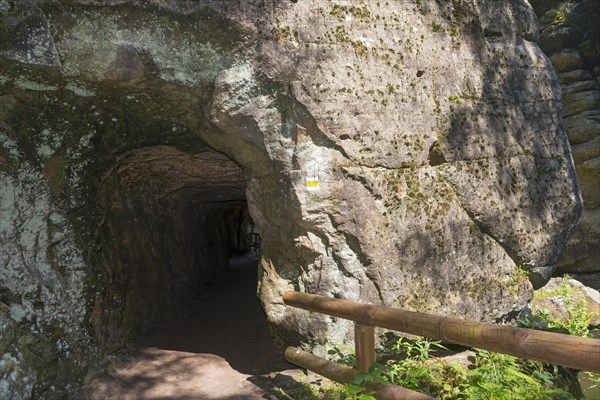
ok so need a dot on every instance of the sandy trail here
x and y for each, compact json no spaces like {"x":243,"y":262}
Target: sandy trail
{"x":222,"y":350}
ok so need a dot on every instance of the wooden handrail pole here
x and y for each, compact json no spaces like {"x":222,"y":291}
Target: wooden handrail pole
{"x":555,"y":348}
{"x":344,"y":374}
{"x":364,"y":341}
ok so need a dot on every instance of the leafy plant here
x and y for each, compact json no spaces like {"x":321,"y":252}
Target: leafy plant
{"x":377,"y":373}
{"x":578,"y":318}
{"x":490,"y":376}
{"x":577,"y":321}
{"x":344,"y":355}
{"x":354,"y":392}
{"x":414,"y":371}
{"x":560,"y":16}
{"x":501,"y":376}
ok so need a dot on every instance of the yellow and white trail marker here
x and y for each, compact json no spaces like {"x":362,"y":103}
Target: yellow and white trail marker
{"x":312,"y":184}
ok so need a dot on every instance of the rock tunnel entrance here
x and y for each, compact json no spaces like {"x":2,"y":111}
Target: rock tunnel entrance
{"x":173,"y":223}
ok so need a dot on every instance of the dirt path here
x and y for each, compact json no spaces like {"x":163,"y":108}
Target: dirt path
{"x":221,"y":351}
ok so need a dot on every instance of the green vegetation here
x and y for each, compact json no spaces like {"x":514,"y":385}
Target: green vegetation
{"x":519,"y":277}
{"x":410,"y":364}
{"x":342,"y":37}
{"x":485,"y":375}
{"x":15,"y":164}
{"x":341,"y":11}
{"x":576,"y":323}
{"x":558,"y":15}
{"x":578,"y":318}
{"x":312,"y":391}
{"x":281,"y":34}
{"x":454,"y":99}
{"x":344,"y":355}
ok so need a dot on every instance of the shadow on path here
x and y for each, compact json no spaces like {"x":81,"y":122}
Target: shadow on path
{"x":228,"y":321}
{"x":220,"y":350}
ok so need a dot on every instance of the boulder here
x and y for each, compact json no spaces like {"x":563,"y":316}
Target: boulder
{"x":551,"y":298}
{"x":542,"y":6}
{"x":583,"y":127}
{"x":577,"y":66}
{"x":590,"y":51}
{"x":576,"y":102}
{"x":590,"y":280}
{"x":586,"y":151}
{"x":579,"y":86}
{"x":554,"y":38}
{"x":582,"y":255}
{"x":588,"y":174}
{"x":574,"y":76}
{"x":566,"y":60}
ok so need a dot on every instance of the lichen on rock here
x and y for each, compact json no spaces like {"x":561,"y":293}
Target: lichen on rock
{"x":42,"y":275}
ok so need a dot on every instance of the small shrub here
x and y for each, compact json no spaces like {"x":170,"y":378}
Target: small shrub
{"x":501,"y":376}
{"x":577,"y":321}
{"x":344,"y":355}
{"x":490,"y":376}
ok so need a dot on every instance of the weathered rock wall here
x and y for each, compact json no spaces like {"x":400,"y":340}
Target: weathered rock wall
{"x":433,"y":128}
{"x":570,"y":36}
{"x":44,"y":306}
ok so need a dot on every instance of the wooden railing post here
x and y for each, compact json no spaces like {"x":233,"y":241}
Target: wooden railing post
{"x":364,"y":338}
{"x":555,"y":348}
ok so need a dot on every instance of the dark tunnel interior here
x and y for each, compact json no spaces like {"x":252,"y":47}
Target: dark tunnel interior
{"x":172,"y":225}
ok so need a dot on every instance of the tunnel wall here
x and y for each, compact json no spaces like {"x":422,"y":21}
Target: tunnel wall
{"x":165,"y":233}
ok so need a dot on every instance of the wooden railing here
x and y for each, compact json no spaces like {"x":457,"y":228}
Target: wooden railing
{"x":555,"y":348}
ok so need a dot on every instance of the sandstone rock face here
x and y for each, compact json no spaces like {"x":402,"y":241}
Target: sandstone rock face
{"x":43,"y":296}
{"x":132,"y":135}
{"x":577,"y":62}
